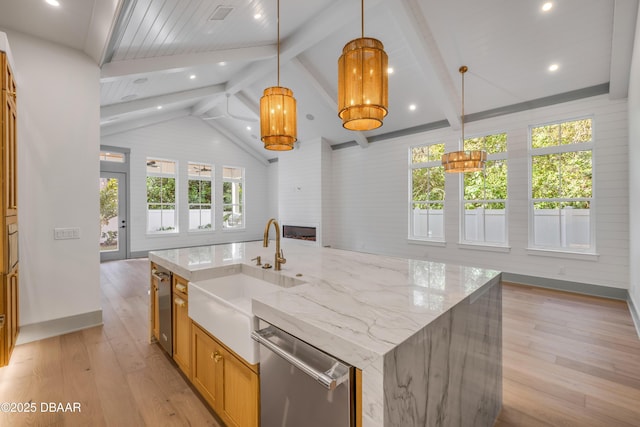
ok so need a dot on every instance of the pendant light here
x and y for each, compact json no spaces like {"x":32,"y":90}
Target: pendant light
{"x":362,"y":83}
{"x":278,"y":121}
{"x":464,"y":161}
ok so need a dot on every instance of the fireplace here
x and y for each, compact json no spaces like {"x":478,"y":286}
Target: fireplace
{"x":299,"y":232}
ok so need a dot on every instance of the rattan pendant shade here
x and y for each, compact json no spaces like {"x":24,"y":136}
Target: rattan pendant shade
{"x":363,"y":97}
{"x":465,"y":160}
{"x":278,"y":114}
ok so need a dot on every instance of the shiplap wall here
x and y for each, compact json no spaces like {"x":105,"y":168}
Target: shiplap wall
{"x":300,"y":185}
{"x":634,"y":176}
{"x":371,"y":208}
{"x":185,"y":140}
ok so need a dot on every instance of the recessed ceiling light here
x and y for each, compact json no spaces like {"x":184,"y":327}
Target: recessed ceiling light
{"x":310,"y":116}
{"x":547,"y":6}
{"x":412,"y":107}
{"x":159,"y":107}
{"x":553,"y":67}
{"x":248,"y":127}
{"x":55,"y":3}
{"x":222,"y":63}
{"x":390,"y":70}
{"x":192,"y":76}
{"x":257,"y":16}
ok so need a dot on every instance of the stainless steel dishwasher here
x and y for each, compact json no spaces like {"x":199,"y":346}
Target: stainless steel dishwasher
{"x":301,"y":385}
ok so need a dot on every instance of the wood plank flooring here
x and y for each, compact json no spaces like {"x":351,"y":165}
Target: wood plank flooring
{"x":118,"y":378}
{"x":569,"y":360}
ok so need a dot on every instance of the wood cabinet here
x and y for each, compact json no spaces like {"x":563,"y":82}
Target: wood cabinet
{"x":9,"y":294}
{"x":181,"y":325}
{"x":154,"y":306}
{"x":227,"y":382}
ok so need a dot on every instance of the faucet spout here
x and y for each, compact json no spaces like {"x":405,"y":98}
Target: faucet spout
{"x":279,"y":258}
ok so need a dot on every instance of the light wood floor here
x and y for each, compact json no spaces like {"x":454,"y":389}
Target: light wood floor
{"x":569,"y":360}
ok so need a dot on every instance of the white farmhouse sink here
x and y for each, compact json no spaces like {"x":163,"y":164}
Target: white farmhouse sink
{"x":222,"y":306}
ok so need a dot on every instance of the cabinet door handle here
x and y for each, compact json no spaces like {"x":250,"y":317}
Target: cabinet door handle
{"x":216,"y":357}
{"x":181,"y":287}
{"x":180,"y":302}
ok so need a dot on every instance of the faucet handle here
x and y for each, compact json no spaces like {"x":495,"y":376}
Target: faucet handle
{"x":257,"y":260}
{"x":281,"y":257}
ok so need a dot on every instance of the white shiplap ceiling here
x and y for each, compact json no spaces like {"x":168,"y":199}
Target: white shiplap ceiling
{"x":169,"y":53}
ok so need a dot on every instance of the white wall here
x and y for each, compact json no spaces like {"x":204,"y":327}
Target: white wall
{"x":370,"y":190}
{"x":300,"y":185}
{"x":184,"y":140}
{"x":58,"y":149}
{"x":634,"y":175}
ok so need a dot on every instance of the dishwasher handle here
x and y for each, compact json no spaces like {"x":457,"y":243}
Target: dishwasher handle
{"x":327,"y":381}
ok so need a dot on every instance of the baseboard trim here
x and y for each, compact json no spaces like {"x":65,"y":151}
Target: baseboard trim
{"x":635,"y":314}
{"x":565,"y":285}
{"x":55,"y":327}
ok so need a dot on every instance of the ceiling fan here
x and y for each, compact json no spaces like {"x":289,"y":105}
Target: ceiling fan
{"x":229,"y":115}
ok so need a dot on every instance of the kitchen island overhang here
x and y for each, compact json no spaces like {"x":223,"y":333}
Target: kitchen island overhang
{"x":427,"y":336}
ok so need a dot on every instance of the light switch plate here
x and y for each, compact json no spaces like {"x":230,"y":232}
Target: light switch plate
{"x":66,"y":233}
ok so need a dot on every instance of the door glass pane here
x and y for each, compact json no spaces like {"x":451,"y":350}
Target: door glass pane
{"x":108,"y":214}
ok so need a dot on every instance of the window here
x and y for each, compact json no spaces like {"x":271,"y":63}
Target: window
{"x":232,"y":198}
{"x":161,"y":196}
{"x":484,"y":218}
{"x":426,"y":208}
{"x":110,"y":156}
{"x":200,"y":217}
{"x":561,"y":186}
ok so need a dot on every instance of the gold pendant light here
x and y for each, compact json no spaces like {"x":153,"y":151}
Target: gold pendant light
{"x":278,"y":121}
{"x":363,"y":83}
{"x":464,"y":161}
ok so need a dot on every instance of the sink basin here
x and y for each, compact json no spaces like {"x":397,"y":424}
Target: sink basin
{"x":222,"y":306}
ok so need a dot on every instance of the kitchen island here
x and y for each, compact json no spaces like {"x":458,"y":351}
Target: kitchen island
{"x":427,"y":336}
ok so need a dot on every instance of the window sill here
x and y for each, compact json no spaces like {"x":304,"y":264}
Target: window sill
{"x":555,"y":253}
{"x":201,"y":231}
{"x":439,"y":243}
{"x":231,"y":230}
{"x":164,"y":234}
{"x":484,"y":247}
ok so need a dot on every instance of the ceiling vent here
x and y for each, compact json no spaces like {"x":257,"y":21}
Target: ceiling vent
{"x":221,"y":13}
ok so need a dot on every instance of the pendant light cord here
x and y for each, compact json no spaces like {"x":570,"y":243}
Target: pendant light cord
{"x":362,"y":17}
{"x":278,"y":12}
{"x":462,"y":70}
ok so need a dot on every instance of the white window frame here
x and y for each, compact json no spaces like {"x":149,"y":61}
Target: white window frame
{"x":211,"y":204}
{"x":503,"y":156}
{"x":175,"y":203}
{"x":412,"y":166}
{"x":241,"y":203}
{"x":560,"y":149}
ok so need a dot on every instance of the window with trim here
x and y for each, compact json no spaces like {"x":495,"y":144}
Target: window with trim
{"x":484,"y":204}
{"x":232,"y":198}
{"x":426,"y":210}
{"x":561,"y":197}
{"x":162,"y":215}
{"x":199,"y":197}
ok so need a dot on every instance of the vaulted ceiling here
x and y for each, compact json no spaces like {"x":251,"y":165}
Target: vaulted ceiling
{"x":163,"y":59}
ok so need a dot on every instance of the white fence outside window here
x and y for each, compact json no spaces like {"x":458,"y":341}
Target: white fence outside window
{"x":567,"y":228}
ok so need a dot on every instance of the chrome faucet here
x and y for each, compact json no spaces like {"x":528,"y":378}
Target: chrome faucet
{"x":280,"y":259}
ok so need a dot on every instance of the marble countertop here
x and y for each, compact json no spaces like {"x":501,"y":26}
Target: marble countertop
{"x":356,"y":306}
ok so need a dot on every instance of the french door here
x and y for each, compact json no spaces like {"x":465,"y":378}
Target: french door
{"x":113,"y":216}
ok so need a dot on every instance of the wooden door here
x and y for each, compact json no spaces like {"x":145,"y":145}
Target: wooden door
{"x":240,"y":394}
{"x":9,"y":141}
{"x":206,"y":365}
{"x":181,"y":325}
{"x":154,"y":311}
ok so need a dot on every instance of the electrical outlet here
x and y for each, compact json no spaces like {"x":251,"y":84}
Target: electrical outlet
{"x":66,"y":233}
